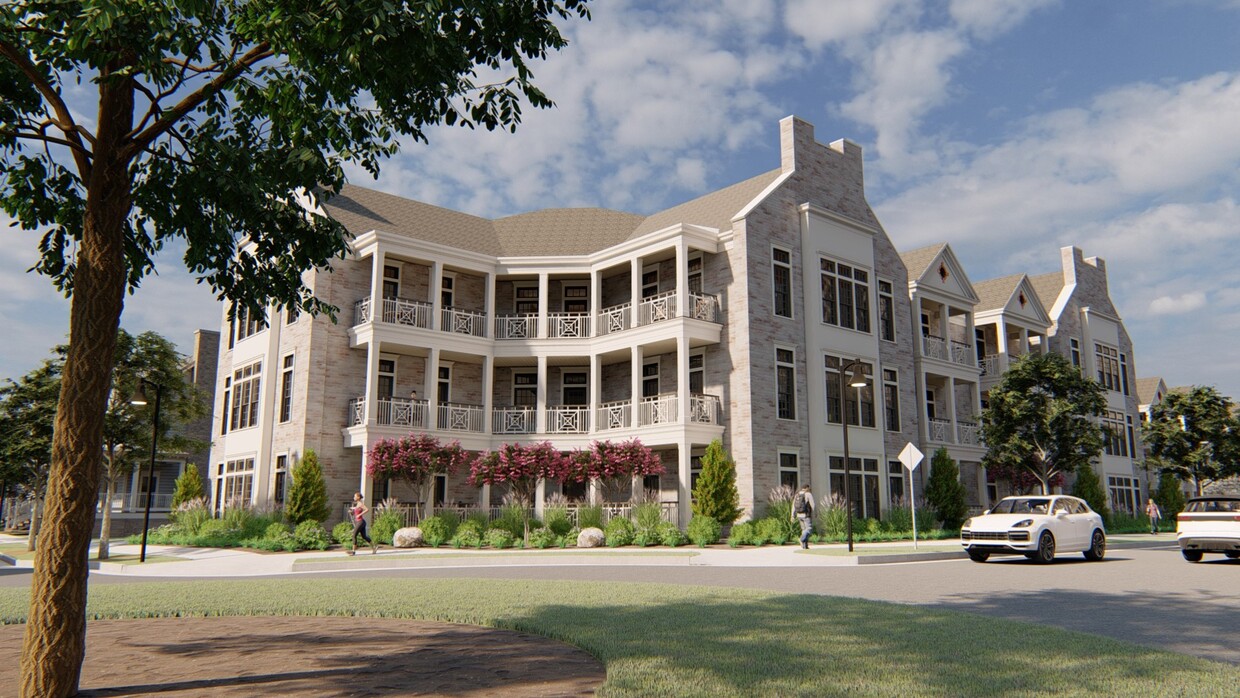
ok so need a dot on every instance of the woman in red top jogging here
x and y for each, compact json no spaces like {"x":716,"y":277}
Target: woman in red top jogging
{"x":359,"y":524}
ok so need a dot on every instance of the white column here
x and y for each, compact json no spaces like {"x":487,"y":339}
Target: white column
{"x":489,"y":305}
{"x":540,"y":405}
{"x":596,"y":397}
{"x":684,"y":494}
{"x":378,"y":259}
{"x":372,"y":383}
{"x":486,"y":496}
{"x":682,"y":378}
{"x":635,"y":288}
{"x":432,"y":389}
{"x":364,"y":486}
{"x":436,"y":291}
{"x":488,"y":399}
{"x":543,"y":329}
{"x":1024,"y":340}
{"x":682,"y":278}
{"x":1001,"y":339}
{"x":540,"y":498}
{"x":951,"y":408}
{"x":596,"y":301}
{"x":636,"y":394}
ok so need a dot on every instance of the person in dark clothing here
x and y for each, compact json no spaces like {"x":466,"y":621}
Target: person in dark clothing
{"x":803,"y":512}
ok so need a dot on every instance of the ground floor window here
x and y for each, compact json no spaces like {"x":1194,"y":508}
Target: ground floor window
{"x":236,"y":483}
{"x":895,"y":482}
{"x":1125,"y":494}
{"x":789,"y":471}
{"x":864,"y":486}
{"x":281,"y":479}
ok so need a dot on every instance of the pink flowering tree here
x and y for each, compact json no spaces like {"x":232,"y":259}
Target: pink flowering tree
{"x":615,"y":466}
{"x":416,"y":459}
{"x":520,"y":467}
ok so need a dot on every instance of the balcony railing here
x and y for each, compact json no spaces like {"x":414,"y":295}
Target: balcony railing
{"x":614,"y":319}
{"x":657,"y":308}
{"x":512,"y":420}
{"x":357,"y":411}
{"x":704,"y":307}
{"x":460,"y":321}
{"x":968,"y":433}
{"x":361,"y":312}
{"x":568,"y":419}
{"x":615,"y":415}
{"x":568,"y":325}
{"x":657,"y":410}
{"x":933,"y":347}
{"x":400,"y":311}
{"x":390,"y":411}
{"x":939,"y":431}
{"x":458,"y":417}
{"x":516,"y":327}
{"x":704,"y":409}
{"x":963,"y":353}
{"x":990,"y":366}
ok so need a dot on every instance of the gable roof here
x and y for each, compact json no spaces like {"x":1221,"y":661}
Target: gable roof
{"x":1048,"y":288}
{"x":1147,"y":389}
{"x":994,"y":294}
{"x":917,"y":261}
{"x":546,"y":232}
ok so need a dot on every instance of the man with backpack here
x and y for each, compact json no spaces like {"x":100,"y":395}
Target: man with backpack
{"x":803,"y":511}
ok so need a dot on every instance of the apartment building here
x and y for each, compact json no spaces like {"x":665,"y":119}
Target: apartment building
{"x":724,"y":317}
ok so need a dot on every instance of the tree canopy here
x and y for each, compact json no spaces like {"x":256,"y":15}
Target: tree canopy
{"x":1041,"y":419}
{"x":1194,"y":435}
{"x":211,"y":124}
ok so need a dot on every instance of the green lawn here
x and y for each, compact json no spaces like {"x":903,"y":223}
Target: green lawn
{"x":700,"y":641}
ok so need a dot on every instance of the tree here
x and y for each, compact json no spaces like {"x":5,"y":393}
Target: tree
{"x":417,"y":459}
{"x":1195,"y":435}
{"x":520,"y":467}
{"x":715,"y":494}
{"x":27,"y":416}
{"x":189,"y":487}
{"x":307,"y":496}
{"x":614,"y":466}
{"x":127,"y":428}
{"x":1170,"y":495}
{"x":1088,"y":486}
{"x":1041,"y":419}
{"x":213,"y":123}
{"x":944,"y":491}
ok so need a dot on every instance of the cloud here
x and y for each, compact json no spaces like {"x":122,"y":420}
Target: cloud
{"x":1167,"y":305}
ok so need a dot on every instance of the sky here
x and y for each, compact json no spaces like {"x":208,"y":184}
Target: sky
{"x":1007,"y":128}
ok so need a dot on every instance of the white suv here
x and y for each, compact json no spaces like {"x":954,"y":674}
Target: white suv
{"x":1209,"y":525}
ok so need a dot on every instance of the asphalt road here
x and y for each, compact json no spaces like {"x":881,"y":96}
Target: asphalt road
{"x":1147,"y":595}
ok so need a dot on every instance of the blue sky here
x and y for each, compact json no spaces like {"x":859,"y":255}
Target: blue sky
{"x":1008,"y":128}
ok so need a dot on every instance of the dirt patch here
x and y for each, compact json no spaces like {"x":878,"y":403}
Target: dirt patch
{"x":317,"y":656}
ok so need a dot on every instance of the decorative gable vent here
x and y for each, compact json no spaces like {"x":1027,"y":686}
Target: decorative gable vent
{"x":943,"y":271}
{"x":1022,"y":299}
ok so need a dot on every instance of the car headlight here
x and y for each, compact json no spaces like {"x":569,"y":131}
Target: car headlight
{"x":1023,"y":523}
{"x":968,"y":523}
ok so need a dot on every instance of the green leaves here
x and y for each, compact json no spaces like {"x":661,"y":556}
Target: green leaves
{"x":1194,"y":434}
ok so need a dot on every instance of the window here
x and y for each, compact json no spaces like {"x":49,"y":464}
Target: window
{"x":931,"y":402}
{"x":391,"y":281}
{"x":281,"y":480}
{"x":695,"y":470}
{"x":248,"y":322}
{"x":447,"y":285}
{"x":891,"y":400}
{"x":1075,"y":349}
{"x":574,"y":389}
{"x":1123,"y":373}
{"x":695,"y":272}
{"x":781,"y":276}
{"x":1114,"y":429}
{"x":864,"y":486}
{"x":886,"y":312}
{"x":237,"y":482}
{"x":1125,"y":494}
{"x":979,"y":343}
{"x":441,"y":490}
{"x":525,"y":301}
{"x":650,"y":282}
{"x":524,"y":389}
{"x":386,"y":379}
{"x":789,"y":471}
{"x":650,"y":379}
{"x":834,"y":382}
{"x":227,"y":397}
{"x":576,"y":299}
{"x":286,"y":389}
{"x":697,"y":373}
{"x":785,"y":384}
{"x":245,"y":394}
{"x":845,"y":296}
{"x":1132,"y":440}
{"x":444,"y":385}
{"x":895,"y":482}
{"x":1107,"y":360}
{"x":291,"y":313}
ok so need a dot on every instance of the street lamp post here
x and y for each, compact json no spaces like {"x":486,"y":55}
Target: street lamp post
{"x":139,"y":398}
{"x":857,"y":380}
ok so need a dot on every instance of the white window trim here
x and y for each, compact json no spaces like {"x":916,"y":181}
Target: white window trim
{"x":517,"y":300}
{"x":792,"y":311}
{"x":525,"y":386}
{"x":779,"y":460}
{"x":657,"y":377}
{"x":289,"y":370}
{"x":564,"y":386}
{"x":646,"y":270}
{"x":793,"y":366}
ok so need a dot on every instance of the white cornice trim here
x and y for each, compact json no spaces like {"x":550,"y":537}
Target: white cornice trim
{"x":1102,"y":314}
{"x":753,"y":203}
{"x":837,"y":218}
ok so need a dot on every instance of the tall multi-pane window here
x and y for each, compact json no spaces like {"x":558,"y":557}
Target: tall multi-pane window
{"x":781,"y":277}
{"x":789,"y":470}
{"x":785,"y":384}
{"x":650,"y":379}
{"x":237,"y":482}
{"x":697,"y":373}
{"x":249,"y":323}
{"x":650,"y":282}
{"x":845,"y":295}
{"x":447,"y":289}
{"x":227,"y":402}
{"x":281,"y":479}
{"x":895,"y":482}
{"x":245,"y":394}
{"x":525,"y":389}
{"x":891,"y":400}
{"x":1114,"y":431}
{"x":886,"y":312}
{"x":391,"y":281}
{"x":525,"y":301}
{"x":695,"y":273}
{"x":1107,"y":360}
{"x":1075,"y":349}
{"x":851,"y":395}
{"x":286,"y":389}
{"x":1123,"y":373}
{"x":1132,"y":436}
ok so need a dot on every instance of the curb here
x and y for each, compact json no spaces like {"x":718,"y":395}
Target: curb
{"x":910,"y":557}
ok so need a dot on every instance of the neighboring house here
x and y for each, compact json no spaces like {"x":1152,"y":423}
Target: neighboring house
{"x":947,"y":370}
{"x":1150,"y":392}
{"x":1088,"y":330}
{"x":723,"y":317}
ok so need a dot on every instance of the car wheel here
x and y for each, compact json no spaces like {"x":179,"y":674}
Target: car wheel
{"x":1097,"y":547}
{"x":1046,"y":549}
{"x":1232,"y":554}
{"x":1191,"y":555}
{"x":979,"y":555}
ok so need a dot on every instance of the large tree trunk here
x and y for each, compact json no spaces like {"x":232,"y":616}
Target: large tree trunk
{"x":55,"y":640}
{"x":105,"y":527}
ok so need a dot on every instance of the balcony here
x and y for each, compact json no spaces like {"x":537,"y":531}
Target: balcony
{"x":516,"y":327}
{"x":615,"y":415}
{"x":959,"y":353}
{"x":991,"y":367}
{"x":939,"y":431}
{"x":512,"y":420}
{"x":568,"y":419}
{"x":614,"y":319}
{"x":969,"y":433}
{"x":397,"y":412}
{"x":568,"y":325}
{"x":460,"y":321}
{"x":458,"y":417}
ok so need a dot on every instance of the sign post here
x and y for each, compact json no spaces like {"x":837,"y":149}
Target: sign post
{"x":911,"y":458}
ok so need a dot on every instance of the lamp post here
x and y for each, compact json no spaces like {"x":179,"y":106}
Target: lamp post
{"x":139,"y":398}
{"x":857,"y":380}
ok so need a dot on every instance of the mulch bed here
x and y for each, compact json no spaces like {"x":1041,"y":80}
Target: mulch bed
{"x":317,"y":656}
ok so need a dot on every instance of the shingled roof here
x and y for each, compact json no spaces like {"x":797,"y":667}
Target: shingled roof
{"x":1048,"y":287}
{"x":1147,"y":389}
{"x":916,"y":261}
{"x":547,"y":232}
{"x":994,"y":294}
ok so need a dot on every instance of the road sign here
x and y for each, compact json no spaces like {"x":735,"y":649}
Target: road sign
{"x":911,"y":457}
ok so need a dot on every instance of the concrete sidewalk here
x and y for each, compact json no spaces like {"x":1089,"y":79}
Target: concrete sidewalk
{"x":174,"y":561}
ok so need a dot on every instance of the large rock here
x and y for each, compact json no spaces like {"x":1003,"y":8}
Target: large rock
{"x":409,"y":537}
{"x":590,"y":538}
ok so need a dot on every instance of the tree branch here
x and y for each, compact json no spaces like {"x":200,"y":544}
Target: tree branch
{"x":65,"y":122}
{"x":46,"y":139}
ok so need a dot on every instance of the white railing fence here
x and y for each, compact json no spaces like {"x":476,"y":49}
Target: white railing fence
{"x":512,"y":420}
{"x":460,"y":321}
{"x":615,"y":415}
{"x":614,"y":319}
{"x":516,"y":327}
{"x":568,"y":419}
{"x":458,"y":417}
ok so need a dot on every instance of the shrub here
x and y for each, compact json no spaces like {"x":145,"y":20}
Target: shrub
{"x":275,"y":529}
{"x":189,"y":516}
{"x":512,"y":518}
{"x":188,"y":487}
{"x":872,"y":527}
{"x":945,"y":494}
{"x":217,"y":529}
{"x":387,"y":523}
{"x":833,"y":516}
{"x":1088,"y":486}
{"x":342,"y":533}
{"x":670,"y":535}
{"x":773,"y":530}
{"x":899,"y":517}
{"x":307,"y":496}
{"x":619,"y":532}
{"x":590,"y":516}
{"x":556,"y":519}
{"x":310,"y":535}
{"x":1123,"y":522}
{"x":468,"y":534}
{"x":715,"y":494}
{"x":543,"y":538}
{"x":435,"y":531}
{"x":741,"y":534}
{"x":926,"y":520}
{"x":647,"y":516}
{"x":643,"y":538}
{"x":704,"y":531}
{"x":1170,"y":496}
{"x":499,"y":538}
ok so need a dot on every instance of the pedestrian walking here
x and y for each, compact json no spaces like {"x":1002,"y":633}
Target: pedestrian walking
{"x":1153,"y":513}
{"x":803,"y":512}
{"x":359,"y":524}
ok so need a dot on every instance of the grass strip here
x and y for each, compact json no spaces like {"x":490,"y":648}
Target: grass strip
{"x":664,"y":640}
